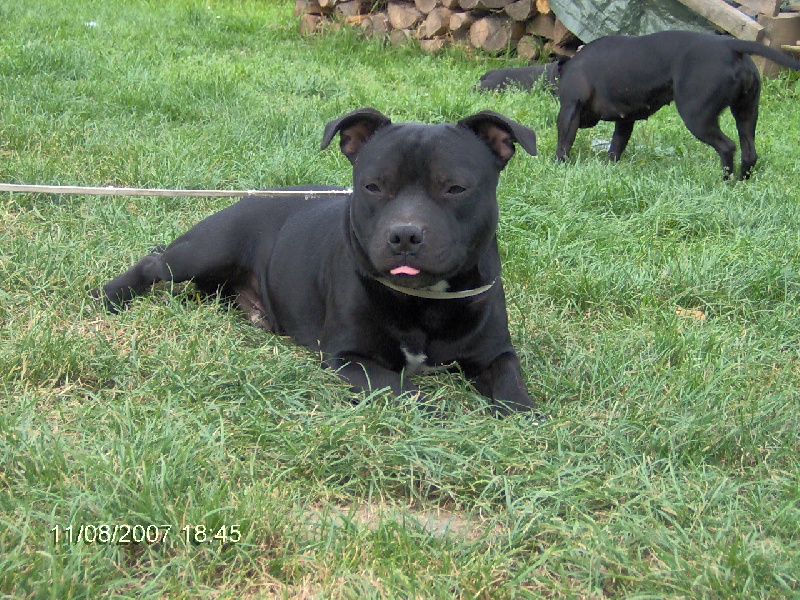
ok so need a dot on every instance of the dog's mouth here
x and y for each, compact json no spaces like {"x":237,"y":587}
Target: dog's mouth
{"x":408,"y":276}
{"x":407,"y":270}
{"x":411,"y":277}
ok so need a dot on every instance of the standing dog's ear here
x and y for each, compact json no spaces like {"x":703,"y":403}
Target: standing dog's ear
{"x":354,"y":129}
{"x":500,"y":133}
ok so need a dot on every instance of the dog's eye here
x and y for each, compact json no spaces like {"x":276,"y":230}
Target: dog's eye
{"x":455,"y":190}
{"x":373,"y":188}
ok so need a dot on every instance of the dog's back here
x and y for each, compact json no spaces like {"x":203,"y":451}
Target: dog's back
{"x":617,"y":64}
{"x":628,"y":58}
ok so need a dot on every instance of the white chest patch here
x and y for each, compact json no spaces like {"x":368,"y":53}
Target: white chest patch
{"x":414,"y":362}
{"x":439,"y":286}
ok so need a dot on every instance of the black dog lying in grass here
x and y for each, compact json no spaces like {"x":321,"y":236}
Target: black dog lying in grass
{"x":525,"y":78}
{"x":401,"y":275}
{"x":627,"y":79}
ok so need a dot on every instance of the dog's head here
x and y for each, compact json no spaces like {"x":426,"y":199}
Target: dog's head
{"x":424,"y":204}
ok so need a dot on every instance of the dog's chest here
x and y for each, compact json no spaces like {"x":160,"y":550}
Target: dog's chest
{"x":428,"y":335}
{"x":417,"y":362}
{"x":425,"y":353}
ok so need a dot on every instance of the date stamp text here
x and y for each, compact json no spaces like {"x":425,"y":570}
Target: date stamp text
{"x":122,"y":534}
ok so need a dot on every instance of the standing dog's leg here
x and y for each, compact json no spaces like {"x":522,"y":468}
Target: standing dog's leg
{"x":705,"y":127}
{"x":746,"y":126}
{"x":700,"y":96}
{"x":569,"y":118}
{"x":745,"y":111}
{"x":622,"y":133}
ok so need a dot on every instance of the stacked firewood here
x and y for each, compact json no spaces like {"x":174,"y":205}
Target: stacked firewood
{"x":528,"y":27}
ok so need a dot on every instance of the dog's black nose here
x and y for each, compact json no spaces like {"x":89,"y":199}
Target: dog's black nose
{"x":405,"y":238}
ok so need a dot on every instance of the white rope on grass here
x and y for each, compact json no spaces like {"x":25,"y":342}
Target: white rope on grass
{"x":126,"y":191}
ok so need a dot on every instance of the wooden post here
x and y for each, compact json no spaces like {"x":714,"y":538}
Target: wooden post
{"x":770,"y":8}
{"x":728,"y":18}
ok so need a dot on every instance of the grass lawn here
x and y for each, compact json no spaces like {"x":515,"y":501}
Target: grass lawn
{"x":655,"y":308}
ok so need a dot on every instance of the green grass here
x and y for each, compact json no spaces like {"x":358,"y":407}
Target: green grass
{"x":654,"y":307}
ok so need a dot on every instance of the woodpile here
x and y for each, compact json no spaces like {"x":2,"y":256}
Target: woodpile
{"x":527,"y":27}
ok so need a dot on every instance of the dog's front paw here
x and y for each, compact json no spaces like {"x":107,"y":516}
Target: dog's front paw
{"x":428,"y":406}
{"x":528,"y":408}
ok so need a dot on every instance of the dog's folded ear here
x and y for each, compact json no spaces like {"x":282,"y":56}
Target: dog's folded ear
{"x":354,"y":129}
{"x":500,"y":133}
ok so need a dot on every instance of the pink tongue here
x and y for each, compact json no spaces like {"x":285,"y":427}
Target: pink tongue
{"x":404,"y":270}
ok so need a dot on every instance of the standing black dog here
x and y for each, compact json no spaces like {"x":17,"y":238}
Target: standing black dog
{"x":626,"y":79}
{"x":401,"y":274}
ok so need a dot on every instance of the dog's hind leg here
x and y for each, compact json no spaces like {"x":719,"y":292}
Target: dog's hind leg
{"x":700,"y":97}
{"x":622,"y":133}
{"x":186,"y":258}
{"x":745,"y":111}
{"x":120,"y":290}
{"x":705,"y":127}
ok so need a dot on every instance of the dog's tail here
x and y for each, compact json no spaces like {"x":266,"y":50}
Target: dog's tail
{"x":747,"y":47}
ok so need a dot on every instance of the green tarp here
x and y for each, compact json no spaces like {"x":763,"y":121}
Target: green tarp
{"x":591,"y":19}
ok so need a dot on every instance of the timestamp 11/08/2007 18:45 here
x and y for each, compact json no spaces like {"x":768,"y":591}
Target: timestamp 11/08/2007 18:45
{"x":123,"y":534}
